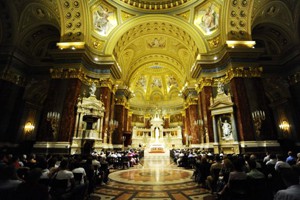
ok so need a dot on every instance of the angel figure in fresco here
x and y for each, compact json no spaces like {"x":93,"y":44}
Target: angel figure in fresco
{"x":156,"y":83}
{"x":141,"y":82}
{"x":101,"y":20}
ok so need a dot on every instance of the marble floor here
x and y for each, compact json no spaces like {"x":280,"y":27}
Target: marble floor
{"x":156,"y":177}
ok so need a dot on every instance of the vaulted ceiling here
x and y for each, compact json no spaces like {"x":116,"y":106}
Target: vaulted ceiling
{"x":156,"y":45}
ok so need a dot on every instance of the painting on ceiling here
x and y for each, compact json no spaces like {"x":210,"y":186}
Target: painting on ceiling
{"x":157,"y":42}
{"x":104,"y":20}
{"x":207,"y":18}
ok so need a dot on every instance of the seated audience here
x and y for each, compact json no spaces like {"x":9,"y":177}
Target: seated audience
{"x":254,"y":173}
{"x":31,"y":189}
{"x":290,"y":159}
{"x":292,"y":192}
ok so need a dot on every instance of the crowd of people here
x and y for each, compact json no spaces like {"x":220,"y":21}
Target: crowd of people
{"x":244,"y":176}
{"x":42,"y":177}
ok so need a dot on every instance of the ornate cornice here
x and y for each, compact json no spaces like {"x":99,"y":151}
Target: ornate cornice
{"x":153,"y":5}
{"x":84,"y":75}
{"x":244,"y":72}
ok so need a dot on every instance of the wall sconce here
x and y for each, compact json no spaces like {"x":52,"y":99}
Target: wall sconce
{"x":258,"y":116}
{"x":284,"y":126}
{"x":29,"y":127}
{"x":53,"y":118}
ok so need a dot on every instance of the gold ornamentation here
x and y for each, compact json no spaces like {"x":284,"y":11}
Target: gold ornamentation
{"x":82,"y":74}
{"x":185,"y":15}
{"x":150,"y":5}
{"x":214,"y":43}
{"x":98,"y":44}
{"x":125,"y":15}
{"x":204,"y":82}
{"x":245,"y":72}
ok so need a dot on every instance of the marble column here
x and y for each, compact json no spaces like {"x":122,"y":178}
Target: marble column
{"x":205,"y":96}
{"x":106,"y":96}
{"x":194,"y":128}
{"x":68,"y":111}
{"x":243,"y":114}
{"x":120,"y":112}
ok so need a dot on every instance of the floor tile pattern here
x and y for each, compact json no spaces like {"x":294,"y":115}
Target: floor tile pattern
{"x":156,"y":177}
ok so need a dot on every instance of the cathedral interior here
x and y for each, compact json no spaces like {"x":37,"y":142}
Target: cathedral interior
{"x":220,"y":75}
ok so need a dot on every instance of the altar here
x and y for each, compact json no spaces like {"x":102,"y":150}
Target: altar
{"x":157,"y":138}
{"x":157,"y":148}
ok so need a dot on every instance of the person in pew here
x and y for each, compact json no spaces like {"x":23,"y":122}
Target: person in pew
{"x":64,"y":174}
{"x":31,"y":189}
{"x":290,"y":159}
{"x":254,"y":173}
{"x":215,"y":169}
{"x":236,"y":174}
{"x":292,"y":192}
{"x":80,"y":172}
{"x":281,"y":163}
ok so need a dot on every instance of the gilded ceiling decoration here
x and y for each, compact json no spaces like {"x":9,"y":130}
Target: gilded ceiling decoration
{"x":155,"y":4}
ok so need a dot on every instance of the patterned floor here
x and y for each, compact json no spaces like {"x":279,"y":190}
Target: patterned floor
{"x":155,"y":178}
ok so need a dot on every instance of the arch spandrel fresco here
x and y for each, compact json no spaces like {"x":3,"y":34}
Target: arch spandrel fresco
{"x":104,"y":19}
{"x":207,"y":18}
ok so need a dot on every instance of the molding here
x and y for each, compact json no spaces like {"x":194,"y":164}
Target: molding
{"x":265,"y":143}
{"x":55,"y":145}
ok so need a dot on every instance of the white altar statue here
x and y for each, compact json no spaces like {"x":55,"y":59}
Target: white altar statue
{"x":156,"y":133}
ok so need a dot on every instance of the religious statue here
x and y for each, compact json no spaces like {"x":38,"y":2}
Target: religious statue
{"x":93,"y":89}
{"x":226,"y":127}
{"x":156,"y":133}
{"x":220,"y":89}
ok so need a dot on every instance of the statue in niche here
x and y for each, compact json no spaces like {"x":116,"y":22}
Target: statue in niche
{"x":226,"y":129}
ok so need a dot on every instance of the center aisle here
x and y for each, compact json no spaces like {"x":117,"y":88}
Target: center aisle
{"x":156,"y":177}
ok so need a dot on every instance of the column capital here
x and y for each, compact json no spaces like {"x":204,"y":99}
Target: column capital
{"x":203,"y":82}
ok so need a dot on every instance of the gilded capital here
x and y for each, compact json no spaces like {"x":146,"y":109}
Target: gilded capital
{"x":204,"y":81}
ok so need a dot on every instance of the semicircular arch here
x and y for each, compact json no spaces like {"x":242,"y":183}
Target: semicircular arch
{"x":171,"y":24}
